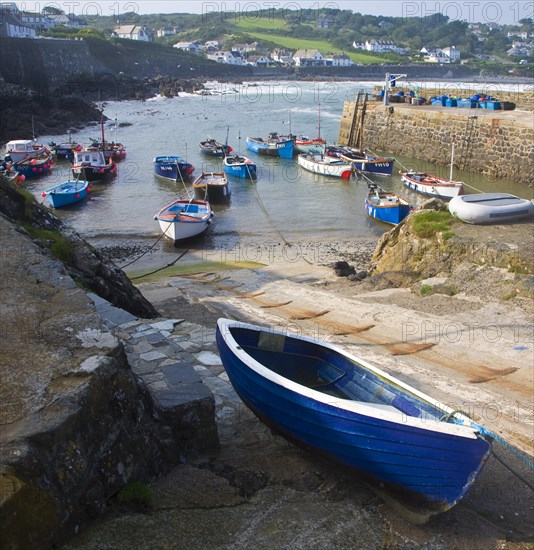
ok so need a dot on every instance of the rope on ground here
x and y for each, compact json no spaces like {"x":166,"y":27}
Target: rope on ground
{"x":520,"y":477}
{"x":148,"y":249}
{"x":161,"y":268}
{"x":265,"y":211}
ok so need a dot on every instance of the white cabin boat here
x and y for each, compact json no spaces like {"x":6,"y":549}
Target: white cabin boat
{"x":21,"y":149}
{"x":482,"y":208}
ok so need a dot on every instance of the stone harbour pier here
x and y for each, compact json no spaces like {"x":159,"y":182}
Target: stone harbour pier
{"x":482,"y":138}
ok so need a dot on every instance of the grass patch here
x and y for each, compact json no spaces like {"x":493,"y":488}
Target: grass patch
{"x":135,"y":495}
{"x":427,"y":224}
{"x":426,"y":290}
{"x":183,"y":270}
{"x":256,"y":22}
{"x":59,"y":245}
{"x":322,"y":45}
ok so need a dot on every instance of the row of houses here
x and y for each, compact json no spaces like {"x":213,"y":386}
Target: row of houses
{"x":253,"y":54}
{"x":18,"y":23}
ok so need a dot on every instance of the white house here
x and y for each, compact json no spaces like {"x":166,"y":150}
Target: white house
{"x":36,"y":20}
{"x":441,"y":55}
{"x":132,"y":32}
{"x":383,"y":46}
{"x":308,"y":58}
{"x":453,"y":53}
{"x":12,"y":27}
{"x":228,"y":57}
{"x":166,"y":31}
{"x":338,"y":60}
{"x":282,"y":56}
{"x":191,"y":47}
{"x":521,"y":49}
{"x":257,"y":60}
{"x":72,"y":21}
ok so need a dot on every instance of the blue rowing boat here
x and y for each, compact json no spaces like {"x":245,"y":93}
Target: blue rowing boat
{"x":386,"y":206}
{"x":340,"y":406}
{"x":240,"y":167}
{"x":68,"y":192}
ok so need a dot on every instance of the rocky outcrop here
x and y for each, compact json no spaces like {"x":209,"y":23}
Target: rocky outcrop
{"x":496,"y":259}
{"x":82,"y":262}
{"x":80,"y":415}
{"x":75,"y":425}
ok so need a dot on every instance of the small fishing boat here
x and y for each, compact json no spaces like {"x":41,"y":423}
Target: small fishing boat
{"x":21,"y":149}
{"x":172,"y":167}
{"x":184,"y":218}
{"x":483,"y":208}
{"x":274,"y":145}
{"x":325,"y":165}
{"x":68,"y":192}
{"x":65,"y":149}
{"x":304,"y":144}
{"x":386,"y":206}
{"x":92,"y":166}
{"x":214,"y":148}
{"x":34,"y":167}
{"x":213,"y":185}
{"x":434,"y":186}
{"x":240,"y":167}
{"x":363,"y":160}
{"x":340,"y":406}
{"x":115,"y":151}
{"x":9,"y":174}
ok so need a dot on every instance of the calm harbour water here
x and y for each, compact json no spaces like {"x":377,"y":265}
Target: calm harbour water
{"x":285,"y":202}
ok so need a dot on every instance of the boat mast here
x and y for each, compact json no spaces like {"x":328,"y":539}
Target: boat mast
{"x":102,"y":130}
{"x":319,"y":120}
{"x":452,"y":161}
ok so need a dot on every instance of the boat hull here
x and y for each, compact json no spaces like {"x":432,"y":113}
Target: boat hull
{"x":173,"y":168}
{"x":487,"y":208}
{"x":184,"y":219}
{"x":274,"y":148}
{"x":428,"y":462}
{"x":392,"y":214}
{"x":69,"y":192}
{"x":34,"y":167}
{"x":242,"y":168}
{"x":93,"y":173}
{"x":440,"y":188}
{"x":213,"y":187}
{"x":325,"y":166}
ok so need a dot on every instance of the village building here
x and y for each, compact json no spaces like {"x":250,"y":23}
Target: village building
{"x":308,"y":58}
{"x":132,"y":32}
{"x":338,"y":60}
{"x":191,"y":47}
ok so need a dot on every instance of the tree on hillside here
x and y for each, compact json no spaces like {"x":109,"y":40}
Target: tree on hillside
{"x":50,"y":10}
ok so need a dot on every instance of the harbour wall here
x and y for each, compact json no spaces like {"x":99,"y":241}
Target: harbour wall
{"x":495,"y":143}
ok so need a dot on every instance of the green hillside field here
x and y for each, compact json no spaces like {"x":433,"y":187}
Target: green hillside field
{"x":321,"y":45}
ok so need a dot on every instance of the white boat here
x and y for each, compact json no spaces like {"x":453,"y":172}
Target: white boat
{"x":22,"y":149}
{"x":427,"y":184}
{"x":325,"y":165}
{"x":481,"y":208}
{"x":434,"y":186}
{"x":184,"y":218}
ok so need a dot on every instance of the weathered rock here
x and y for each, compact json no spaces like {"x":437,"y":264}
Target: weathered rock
{"x":81,"y":261}
{"x":343,"y":269}
{"x":75,"y":425}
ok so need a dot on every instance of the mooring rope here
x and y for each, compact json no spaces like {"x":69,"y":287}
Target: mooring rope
{"x":161,"y":268}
